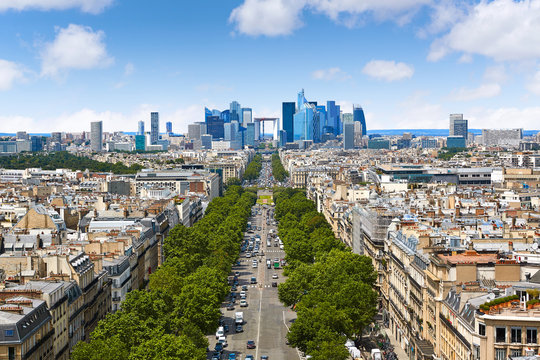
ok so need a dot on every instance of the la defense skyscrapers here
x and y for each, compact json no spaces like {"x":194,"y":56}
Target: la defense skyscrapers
{"x":96,"y":136}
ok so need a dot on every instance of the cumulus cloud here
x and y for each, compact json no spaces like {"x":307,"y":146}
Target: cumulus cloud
{"x":484,"y":91}
{"x":388,"y":70}
{"x":75,"y":47}
{"x":500,"y":29}
{"x":89,"y":6}
{"x":334,"y":73}
{"x":508,"y":117}
{"x":282,"y":17}
{"x":10,"y":73}
{"x":534,"y":83}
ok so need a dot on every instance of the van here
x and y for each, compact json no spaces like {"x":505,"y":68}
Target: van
{"x":223,"y":341}
{"x":220,"y":332}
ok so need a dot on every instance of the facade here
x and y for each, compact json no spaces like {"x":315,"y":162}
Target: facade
{"x":215,"y":127}
{"x":235,"y":110}
{"x":247,"y":116}
{"x":456,"y":142}
{"x":287,"y":116}
{"x":206,"y":141}
{"x":306,"y":120}
{"x":154,"y":128}
{"x":250,"y":134}
{"x":459,"y":126}
{"x":427,"y":143}
{"x":180,"y":182}
{"x":140,"y":142}
{"x":196,"y":130}
{"x":96,"y":136}
{"x":168,"y":127}
{"x":120,"y":275}
{"x":333,"y":117}
{"x":348,"y":136}
{"x":502,"y":137}
{"x":378,"y":143}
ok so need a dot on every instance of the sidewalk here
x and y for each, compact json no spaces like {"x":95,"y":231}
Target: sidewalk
{"x":401,"y":354}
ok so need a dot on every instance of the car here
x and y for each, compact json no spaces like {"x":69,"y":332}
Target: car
{"x":220,"y":332}
{"x":244,"y":287}
{"x":223,"y":340}
{"x":226,"y":328}
{"x":254,"y":265}
{"x":218,"y":347}
{"x":233,"y":288}
{"x":264,"y":357}
{"x":243,"y":303}
{"x":251,"y":344}
{"x":274,"y":284}
{"x":236,"y":273}
{"x":248,"y":254}
{"x":230,"y":306}
{"x":274,"y":276}
{"x":215,"y":357}
{"x":253,"y":280}
{"x":243,"y":294}
{"x":249,"y":357}
{"x":239,"y":328}
{"x":232,"y":356}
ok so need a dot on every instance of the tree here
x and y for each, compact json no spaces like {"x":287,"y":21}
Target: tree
{"x":234,"y":181}
{"x":168,"y":347}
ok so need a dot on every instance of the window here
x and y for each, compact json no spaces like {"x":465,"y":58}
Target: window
{"x":500,"y":334}
{"x":515,"y":352}
{"x":515,"y":335}
{"x":532,"y":336}
{"x":500,"y":354}
{"x":482,"y":329}
{"x":8,"y":332}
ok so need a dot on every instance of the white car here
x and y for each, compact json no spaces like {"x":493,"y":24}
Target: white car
{"x":243,"y":303}
{"x":255,"y":265}
{"x":220,"y":332}
{"x":274,"y":276}
{"x":243,"y":294}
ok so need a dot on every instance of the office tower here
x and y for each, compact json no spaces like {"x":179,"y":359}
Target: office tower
{"x":257,"y":130}
{"x":56,"y":137}
{"x":194,"y":131}
{"x":456,"y":142}
{"x":154,"y":128}
{"x":358,"y":115}
{"x":458,"y":126}
{"x":358,"y":133}
{"x":321,"y":118}
{"x":346,"y":117}
{"x":140,"y":142}
{"x":22,"y":135}
{"x":215,"y":127}
{"x":282,"y":138}
{"x":502,"y":137}
{"x":332,"y":117}
{"x":227,"y":133}
{"x":348,"y":136}
{"x":206,"y":141}
{"x":287,"y":117}
{"x":226,"y":116}
{"x":306,"y":120}
{"x":207,"y":113}
{"x":140,"y":129}
{"x":250,"y":134}
{"x":235,"y":111}
{"x":36,"y":143}
{"x":96,"y":136}
{"x":168,"y":127}
{"x":216,"y":112}
{"x":247,"y":116}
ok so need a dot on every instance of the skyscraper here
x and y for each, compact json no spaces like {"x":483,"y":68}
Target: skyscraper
{"x":235,"y":111}
{"x":250,"y":134}
{"x":168,"y":127}
{"x":306,"y":120}
{"x":247,"y":116}
{"x":287,"y":117}
{"x":194,"y":131}
{"x":358,"y":115}
{"x":458,"y":126}
{"x":140,"y":142}
{"x":214,"y":127}
{"x":332,"y":116}
{"x":154,"y":128}
{"x":140,"y":130}
{"x":348,"y":136}
{"x":96,"y":136}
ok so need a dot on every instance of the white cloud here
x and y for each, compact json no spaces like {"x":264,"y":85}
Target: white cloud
{"x":388,"y":70}
{"x":527,"y":118}
{"x":10,"y":72}
{"x":484,"y":91}
{"x":334,"y":73}
{"x":75,"y":47}
{"x":112,"y":120}
{"x":534,"y":84}
{"x":444,"y":14}
{"x":282,"y":17}
{"x":129,"y":69}
{"x":500,"y":29}
{"x":89,"y":6}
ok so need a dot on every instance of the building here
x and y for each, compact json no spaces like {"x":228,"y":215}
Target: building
{"x":428,"y":143}
{"x":282,"y":138}
{"x":332,"y":117}
{"x":306,"y":120}
{"x":196,"y":130}
{"x":206,"y":141}
{"x":378,"y":143}
{"x":250,"y":134}
{"x":502,"y":137}
{"x":459,"y":126}
{"x":26,"y":330}
{"x":154,"y":128}
{"x":96,"y":136}
{"x":120,"y":275}
{"x":140,"y":142}
{"x":168,"y":127}
{"x":456,"y":142}
{"x":180,"y":182}
{"x":215,"y":127}
{"x":140,"y":129}
{"x":287,"y":118}
{"x":348,"y":136}
{"x":247,"y":116}
{"x":358,"y":115}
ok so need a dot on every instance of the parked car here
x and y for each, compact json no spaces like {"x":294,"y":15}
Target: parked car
{"x":274,"y":284}
{"x":251,"y":344}
{"x":243,"y":303}
{"x":239,"y":328}
{"x":274,"y":276}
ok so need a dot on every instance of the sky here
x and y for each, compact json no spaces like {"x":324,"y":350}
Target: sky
{"x":409,"y":63}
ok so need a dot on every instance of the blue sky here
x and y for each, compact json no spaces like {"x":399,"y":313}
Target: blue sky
{"x":409,"y":63}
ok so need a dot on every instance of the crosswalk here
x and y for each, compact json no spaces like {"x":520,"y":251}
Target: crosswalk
{"x":259,"y":286}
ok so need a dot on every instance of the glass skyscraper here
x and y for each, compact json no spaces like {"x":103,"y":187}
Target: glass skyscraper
{"x":235,"y":111}
{"x":250,"y":134}
{"x":96,"y":136}
{"x":215,"y":127}
{"x":332,"y":117}
{"x":247,"y":116}
{"x":168,"y":127}
{"x":306,"y":120}
{"x":287,"y":116}
{"x":458,"y":126}
{"x":140,"y":130}
{"x":358,"y":115}
{"x":140,"y":142}
{"x":154,"y":128}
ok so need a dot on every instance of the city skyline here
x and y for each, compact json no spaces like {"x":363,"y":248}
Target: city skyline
{"x":412,"y":73}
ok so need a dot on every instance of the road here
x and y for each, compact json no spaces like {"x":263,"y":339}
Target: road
{"x":266,"y":320}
